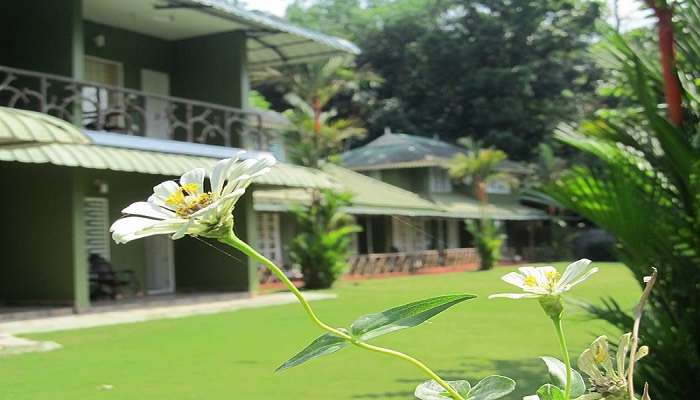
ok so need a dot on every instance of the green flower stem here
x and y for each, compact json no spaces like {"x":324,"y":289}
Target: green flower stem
{"x":565,"y":355}
{"x":453,"y":393}
{"x":233,"y":241}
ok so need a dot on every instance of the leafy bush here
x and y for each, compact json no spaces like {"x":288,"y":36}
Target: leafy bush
{"x":323,"y":246}
{"x":645,"y":190}
{"x":487,"y":240}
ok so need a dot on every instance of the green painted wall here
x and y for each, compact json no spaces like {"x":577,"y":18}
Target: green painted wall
{"x":124,"y":189}
{"x":134,"y":50}
{"x":43,"y":36}
{"x":42,"y":264}
{"x":411,"y":179}
{"x":211,"y":68}
{"x":38,"y":251}
{"x":198,"y":267}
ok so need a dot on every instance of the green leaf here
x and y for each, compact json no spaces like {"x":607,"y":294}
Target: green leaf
{"x":491,"y":388}
{"x":405,"y":316}
{"x":557,"y":373}
{"x":550,"y":392}
{"x":431,"y":390}
{"x":323,"y":345}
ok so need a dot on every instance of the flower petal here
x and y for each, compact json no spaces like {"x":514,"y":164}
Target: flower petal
{"x":514,"y":278}
{"x":515,"y":295}
{"x":623,"y":347}
{"x":582,"y":278}
{"x":129,"y":228}
{"x":195,"y":176}
{"x":145,"y":209}
{"x":220,"y":173}
{"x":162,"y":191}
{"x":586,"y":363}
{"x":573,"y":271}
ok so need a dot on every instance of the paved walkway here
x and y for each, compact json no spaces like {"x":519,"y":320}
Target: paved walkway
{"x":91,"y":320}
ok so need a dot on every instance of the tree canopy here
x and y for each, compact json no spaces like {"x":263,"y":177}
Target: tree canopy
{"x":502,"y":71}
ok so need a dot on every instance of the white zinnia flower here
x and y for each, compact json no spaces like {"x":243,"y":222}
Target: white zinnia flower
{"x":546,"y":281}
{"x":187,"y":207}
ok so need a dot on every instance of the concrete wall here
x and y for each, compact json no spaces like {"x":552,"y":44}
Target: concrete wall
{"x":40,"y":257}
{"x":411,"y":179}
{"x":51,"y":36}
{"x":211,"y":68}
{"x":134,"y":50}
{"x":44,"y":257}
{"x":199,"y":268}
{"x":43,"y":36}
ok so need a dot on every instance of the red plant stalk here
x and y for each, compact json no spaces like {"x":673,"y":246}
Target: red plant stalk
{"x":316,"y":105}
{"x":672,"y":87}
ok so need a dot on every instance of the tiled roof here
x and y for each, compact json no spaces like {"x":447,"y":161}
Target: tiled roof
{"x":399,"y":150}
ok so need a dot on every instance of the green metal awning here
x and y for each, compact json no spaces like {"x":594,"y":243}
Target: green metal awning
{"x":499,"y":208}
{"x":371,"y":197}
{"x":21,"y":127}
{"x":151,"y":162}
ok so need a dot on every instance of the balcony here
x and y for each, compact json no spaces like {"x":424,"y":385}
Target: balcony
{"x":99,"y":107}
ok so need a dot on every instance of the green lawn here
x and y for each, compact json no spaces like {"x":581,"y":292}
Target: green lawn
{"x":233,"y":355}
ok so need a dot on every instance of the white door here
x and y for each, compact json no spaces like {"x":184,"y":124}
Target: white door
{"x":269,"y":240}
{"x":160,"y":268}
{"x":157,"y":123}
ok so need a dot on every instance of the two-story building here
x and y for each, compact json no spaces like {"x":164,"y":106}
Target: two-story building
{"x":102,"y":99}
{"x":419,"y":165}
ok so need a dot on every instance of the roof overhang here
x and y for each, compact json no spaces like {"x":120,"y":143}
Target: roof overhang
{"x":273,"y":41}
{"x":23,"y":128}
{"x":35,"y":138}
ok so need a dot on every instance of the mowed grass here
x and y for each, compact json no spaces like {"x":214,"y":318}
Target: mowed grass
{"x":233,"y":355}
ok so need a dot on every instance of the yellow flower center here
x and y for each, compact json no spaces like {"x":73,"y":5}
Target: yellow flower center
{"x":186,"y":201}
{"x":553,"y":277}
{"x":530,"y":280}
{"x":600,"y":355}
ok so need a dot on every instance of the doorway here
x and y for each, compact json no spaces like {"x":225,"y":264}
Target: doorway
{"x":160,"y":266}
{"x":157,"y":121}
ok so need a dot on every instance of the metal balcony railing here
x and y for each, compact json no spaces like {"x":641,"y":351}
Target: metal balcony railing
{"x":132,"y":112}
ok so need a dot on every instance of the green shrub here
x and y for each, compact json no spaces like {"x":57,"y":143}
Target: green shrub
{"x":487,"y":240}
{"x":322,"y":247}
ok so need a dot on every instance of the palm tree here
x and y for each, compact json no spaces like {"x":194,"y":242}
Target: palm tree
{"x":318,"y":136}
{"x":645,"y":189}
{"x":318,"y":83}
{"x":478,"y":167}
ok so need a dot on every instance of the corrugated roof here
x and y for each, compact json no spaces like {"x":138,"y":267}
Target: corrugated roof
{"x":399,"y":150}
{"x":277,"y":41}
{"x":499,"y":208}
{"x":21,"y":127}
{"x":370,"y":197}
{"x":151,"y":162}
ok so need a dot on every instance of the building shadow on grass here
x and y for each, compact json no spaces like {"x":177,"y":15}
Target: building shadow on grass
{"x":528,"y":374}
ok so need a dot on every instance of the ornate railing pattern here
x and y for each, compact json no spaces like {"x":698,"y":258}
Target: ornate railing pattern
{"x":381,"y":263}
{"x":109,"y":108}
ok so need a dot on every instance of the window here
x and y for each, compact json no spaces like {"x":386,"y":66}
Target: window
{"x":498,"y":187}
{"x":102,"y":72}
{"x":269,"y":243}
{"x":96,"y":211}
{"x":440,"y":181}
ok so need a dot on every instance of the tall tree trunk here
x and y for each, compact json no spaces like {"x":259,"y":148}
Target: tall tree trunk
{"x":672,"y":87}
